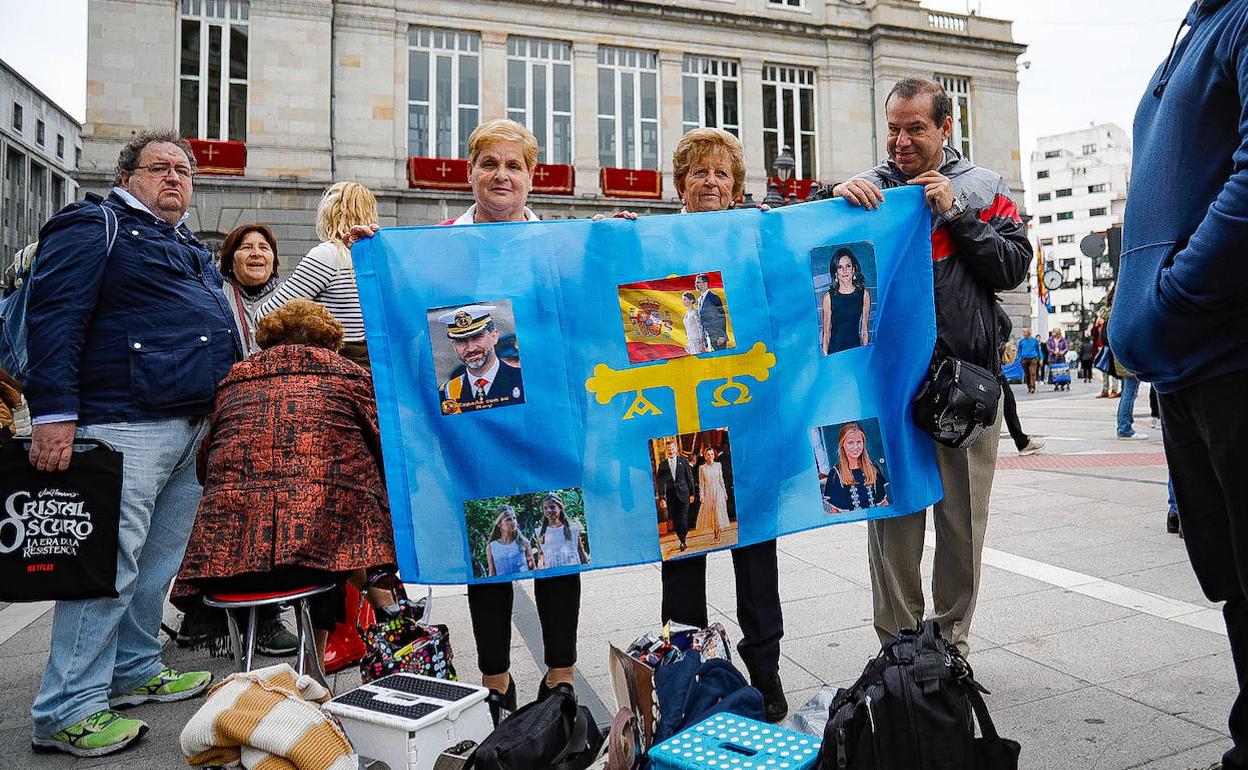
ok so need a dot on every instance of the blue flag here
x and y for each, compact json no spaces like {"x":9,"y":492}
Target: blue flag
{"x":571,"y":395}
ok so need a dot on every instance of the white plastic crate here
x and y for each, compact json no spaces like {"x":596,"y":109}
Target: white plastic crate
{"x":407,"y":720}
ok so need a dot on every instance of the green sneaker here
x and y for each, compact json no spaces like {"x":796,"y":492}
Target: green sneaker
{"x":165,"y":687}
{"x":101,"y":733}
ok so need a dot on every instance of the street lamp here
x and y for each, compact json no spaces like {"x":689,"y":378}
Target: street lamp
{"x":784,"y":165}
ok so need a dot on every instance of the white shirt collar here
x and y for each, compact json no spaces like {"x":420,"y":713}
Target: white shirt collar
{"x":467,"y":218}
{"x":489,"y":376}
{"x":135,"y":203}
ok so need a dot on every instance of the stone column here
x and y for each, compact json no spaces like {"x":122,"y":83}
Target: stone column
{"x":671,"y":113}
{"x":493,"y":75}
{"x":752,"y":127}
{"x":585,"y":117}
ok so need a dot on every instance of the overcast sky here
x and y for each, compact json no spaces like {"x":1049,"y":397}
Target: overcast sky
{"x":1090,"y":59}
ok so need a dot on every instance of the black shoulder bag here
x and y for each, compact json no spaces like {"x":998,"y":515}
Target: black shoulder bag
{"x":956,"y":402}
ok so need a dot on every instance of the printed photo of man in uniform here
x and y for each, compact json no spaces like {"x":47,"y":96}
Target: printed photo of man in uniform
{"x":482,"y":379}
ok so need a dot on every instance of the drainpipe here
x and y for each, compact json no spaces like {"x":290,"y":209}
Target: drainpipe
{"x":875,"y":138}
{"x":333,"y":93}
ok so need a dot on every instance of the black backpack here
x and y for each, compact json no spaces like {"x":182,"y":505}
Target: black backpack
{"x":914,"y":708}
{"x":553,"y":733}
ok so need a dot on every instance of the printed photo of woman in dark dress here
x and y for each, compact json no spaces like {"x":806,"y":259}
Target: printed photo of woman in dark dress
{"x":846,"y":306}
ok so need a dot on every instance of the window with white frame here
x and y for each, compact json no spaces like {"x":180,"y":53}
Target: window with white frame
{"x":628,"y":108}
{"x":959,"y":90}
{"x":1089,"y":149}
{"x":1096,"y":188}
{"x":789,"y":117}
{"x":711,"y":90}
{"x":539,"y":93}
{"x":789,"y":3}
{"x":1097,"y":212}
{"x":1066,"y":239}
{"x":443,"y":91}
{"x":212,"y":69}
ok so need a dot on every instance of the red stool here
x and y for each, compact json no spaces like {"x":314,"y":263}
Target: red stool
{"x":250,"y":601}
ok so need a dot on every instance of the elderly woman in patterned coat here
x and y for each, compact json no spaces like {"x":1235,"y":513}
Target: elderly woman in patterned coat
{"x":291,"y":467}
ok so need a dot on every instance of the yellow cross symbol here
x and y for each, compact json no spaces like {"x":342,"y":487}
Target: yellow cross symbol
{"x":682,"y":376}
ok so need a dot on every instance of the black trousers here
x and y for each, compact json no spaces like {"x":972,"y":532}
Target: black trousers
{"x":1010,"y":411}
{"x":758,"y":601}
{"x":1206,"y":441}
{"x":558,"y":609}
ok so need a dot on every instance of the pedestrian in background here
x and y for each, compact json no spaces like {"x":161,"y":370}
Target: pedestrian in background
{"x":1085,"y":359}
{"x":1029,"y":354}
{"x":1181,"y":321}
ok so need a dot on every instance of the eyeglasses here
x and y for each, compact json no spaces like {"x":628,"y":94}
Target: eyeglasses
{"x":163,"y":169}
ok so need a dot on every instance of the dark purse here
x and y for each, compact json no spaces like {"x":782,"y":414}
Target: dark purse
{"x":403,"y":642}
{"x":59,"y":531}
{"x":956,"y":402}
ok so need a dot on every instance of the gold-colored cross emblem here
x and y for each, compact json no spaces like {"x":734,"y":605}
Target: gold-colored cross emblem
{"x":682,"y":376}
{"x":443,"y":169}
{"x":631,"y":178}
{"x":210,"y":152}
{"x":541,"y":173}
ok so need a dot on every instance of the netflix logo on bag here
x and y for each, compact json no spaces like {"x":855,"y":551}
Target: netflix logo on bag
{"x":52,"y":522}
{"x":59,"y":531}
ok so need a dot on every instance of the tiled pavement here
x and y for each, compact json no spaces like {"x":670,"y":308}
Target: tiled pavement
{"x":1100,"y":651}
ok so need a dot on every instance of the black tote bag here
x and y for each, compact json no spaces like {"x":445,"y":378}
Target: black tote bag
{"x":58,"y":531}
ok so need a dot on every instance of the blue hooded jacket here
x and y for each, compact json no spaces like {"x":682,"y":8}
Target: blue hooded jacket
{"x":1181,"y":303}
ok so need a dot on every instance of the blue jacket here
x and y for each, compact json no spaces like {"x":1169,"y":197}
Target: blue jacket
{"x":1029,"y":347}
{"x":145,"y":334}
{"x":1181,"y":302}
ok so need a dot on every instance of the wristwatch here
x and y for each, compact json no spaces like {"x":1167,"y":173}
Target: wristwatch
{"x":955,"y":211}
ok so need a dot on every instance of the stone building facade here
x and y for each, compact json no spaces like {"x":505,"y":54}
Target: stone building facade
{"x":39,"y":147}
{"x":328,"y":90}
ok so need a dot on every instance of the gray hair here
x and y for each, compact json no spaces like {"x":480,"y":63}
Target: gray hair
{"x":909,"y":88}
{"x":128,"y":158}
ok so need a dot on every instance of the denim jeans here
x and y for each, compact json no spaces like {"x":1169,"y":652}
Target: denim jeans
{"x":108,"y":646}
{"x":1126,"y":406}
{"x":1171,"y":506}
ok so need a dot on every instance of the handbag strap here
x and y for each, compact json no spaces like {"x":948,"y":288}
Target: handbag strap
{"x":565,"y":759}
{"x":986,"y":726}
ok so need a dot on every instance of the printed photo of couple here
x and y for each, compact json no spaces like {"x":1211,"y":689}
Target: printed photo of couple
{"x":476,"y":356}
{"x":849,"y":458}
{"x":693,"y":492}
{"x":845,"y":282}
{"x":515,"y":534}
{"x":673,"y":317}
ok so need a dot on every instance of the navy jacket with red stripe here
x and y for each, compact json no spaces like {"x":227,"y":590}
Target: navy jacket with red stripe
{"x":983,"y":251}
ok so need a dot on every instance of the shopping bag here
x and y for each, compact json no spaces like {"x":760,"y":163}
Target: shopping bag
{"x":403,"y":642}
{"x":58,"y":531}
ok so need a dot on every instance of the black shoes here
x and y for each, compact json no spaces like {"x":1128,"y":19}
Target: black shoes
{"x":502,"y":703}
{"x":544,"y":689}
{"x":1172,"y":522}
{"x":775,"y":707}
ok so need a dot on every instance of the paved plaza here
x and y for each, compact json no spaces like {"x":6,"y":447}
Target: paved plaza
{"x":1098,"y":647}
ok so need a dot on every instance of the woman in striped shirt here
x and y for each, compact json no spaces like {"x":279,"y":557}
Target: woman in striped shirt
{"x":325,"y":275}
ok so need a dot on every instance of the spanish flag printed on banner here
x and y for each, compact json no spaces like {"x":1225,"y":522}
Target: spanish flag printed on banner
{"x":677,"y":316}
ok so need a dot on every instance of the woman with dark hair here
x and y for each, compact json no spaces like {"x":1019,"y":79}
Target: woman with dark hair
{"x":856,"y":482}
{"x":249,"y":264}
{"x":291,"y":468}
{"x":561,"y":540}
{"x":846,"y":305}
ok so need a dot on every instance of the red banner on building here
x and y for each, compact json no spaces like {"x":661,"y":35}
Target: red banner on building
{"x":223,"y":158}
{"x":553,"y":178}
{"x":438,"y":173}
{"x":802,"y":187}
{"x":631,"y":183}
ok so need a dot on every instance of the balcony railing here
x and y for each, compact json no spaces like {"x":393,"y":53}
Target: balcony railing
{"x":947,"y":22}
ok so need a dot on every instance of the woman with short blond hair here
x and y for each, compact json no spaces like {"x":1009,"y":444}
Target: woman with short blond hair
{"x":326,"y":275}
{"x":502,"y":156}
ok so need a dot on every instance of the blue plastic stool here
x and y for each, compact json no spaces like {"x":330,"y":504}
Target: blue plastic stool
{"x":729,"y":742}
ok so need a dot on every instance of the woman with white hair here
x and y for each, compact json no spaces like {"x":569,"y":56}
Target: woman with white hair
{"x":326,"y":275}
